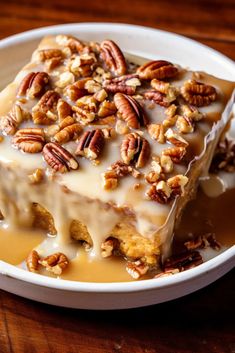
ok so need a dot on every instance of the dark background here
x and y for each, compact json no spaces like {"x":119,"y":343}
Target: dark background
{"x":202,"y":322}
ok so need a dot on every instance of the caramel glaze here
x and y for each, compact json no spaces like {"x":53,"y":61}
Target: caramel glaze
{"x":209,"y":215}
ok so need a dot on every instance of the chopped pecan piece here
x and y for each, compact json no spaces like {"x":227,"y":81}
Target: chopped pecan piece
{"x":33,"y":85}
{"x":177,"y":184}
{"x":106,"y":108}
{"x":159,"y":69}
{"x":183,"y":261}
{"x":10,"y":122}
{"x":202,"y":242}
{"x":113,"y":57}
{"x":184,"y":124}
{"x":165,"y":88}
{"x":224,"y":157}
{"x":135,"y":149}
{"x":83,"y":65}
{"x":110,"y":180}
{"x":37,"y":176}
{"x":130,"y":110}
{"x":109,"y":246}
{"x":44,"y":112}
{"x":176,"y":153}
{"x":125,"y":84}
{"x":29,"y":140}
{"x":69,"y":130}
{"x":47,"y":54}
{"x":32,"y":261}
{"x":167,"y":273}
{"x":198,"y":93}
{"x":73,"y":43}
{"x":59,"y":158}
{"x":157,"y":97}
{"x":115,"y":172}
{"x":157,"y":131}
{"x":86,"y":109}
{"x":166,"y":164}
{"x":159,"y":192}
{"x":137,"y":269}
{"x":191,"y":113}
{"x":77,"y":90}
{"x":55,"y":263}
{"x":175,"y":138}
{"x":63,"y":109}
{"x":91,"y":144}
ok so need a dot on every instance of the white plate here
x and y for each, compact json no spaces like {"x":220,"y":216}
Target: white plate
{"x":14,"y":52}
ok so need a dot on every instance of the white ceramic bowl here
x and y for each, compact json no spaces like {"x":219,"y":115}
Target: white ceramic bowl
{"x":14,"y":53}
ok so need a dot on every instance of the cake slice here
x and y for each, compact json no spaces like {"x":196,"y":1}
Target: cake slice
{"x":106,"y":149}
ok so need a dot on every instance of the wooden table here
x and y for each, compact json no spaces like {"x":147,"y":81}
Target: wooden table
{"x":201,"y":322}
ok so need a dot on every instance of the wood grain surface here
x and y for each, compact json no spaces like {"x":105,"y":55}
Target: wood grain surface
{"x":202,"y":322}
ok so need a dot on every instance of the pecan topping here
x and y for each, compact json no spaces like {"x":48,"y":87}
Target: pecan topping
{"x":157,"y":131}
{"x":197,"y":93}
{"x":77,"y":90}
{"x":137,"y":269}
{"x":184,"y":124}
{"x":125,"y":84}
{"x":43,"y":112}
{"x":109,"y":246}
{"x":224,"y":157}
{"x":135,"y":149}
{"x":36,"y":177}
{"x":33,"y":85}
{"x":55,"y":263}
{"x":59,"y":158}
{"x":113,"y":57}
{"x":32,"y":261}
{"x":63,"y":109}
{"x":29,"y":140}
{"x":10,"y":122}
{"x":183,"y":261}
{"x":177,"y":184}
{"x":202,"y":242}
{"x":130,"y":110}
{"x":91,"y":144}
{"x":176,"y":153}
{"x":73,"y":43}
{"x":47,"y":54}
{"x":175,"y":138}
{"x":159,"y":192}
{"x":159,"y":69}
{"x":106,"y":108}
{"x":69,"y":130}
{"x":157,"y":97}
{"x":86,"y":109}
{"x":115,"y":172}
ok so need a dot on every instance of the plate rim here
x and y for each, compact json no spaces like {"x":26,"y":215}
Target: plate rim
{"x":224,"y":258}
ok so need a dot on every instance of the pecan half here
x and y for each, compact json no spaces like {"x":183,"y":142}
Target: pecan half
{"x":197,"y":93}
{"x":183,"y":261}
{"x":91,"y":144}
{"x":125,"y":84}
{"x":130,"y":110}
{"x":69,"y":130}
{"x":44,"y":112}
{"x":33,"y":85}
{"x":32,"y":261}
{"x":29,"y":140}
{"x":55,"y":263}
{"x":59,"y":158}
{"x":113,"y":57}
{"x":10,"y":122}
{"x":159,"y":69}
{"x":176,"y":153}
{"x":135,"y":149}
